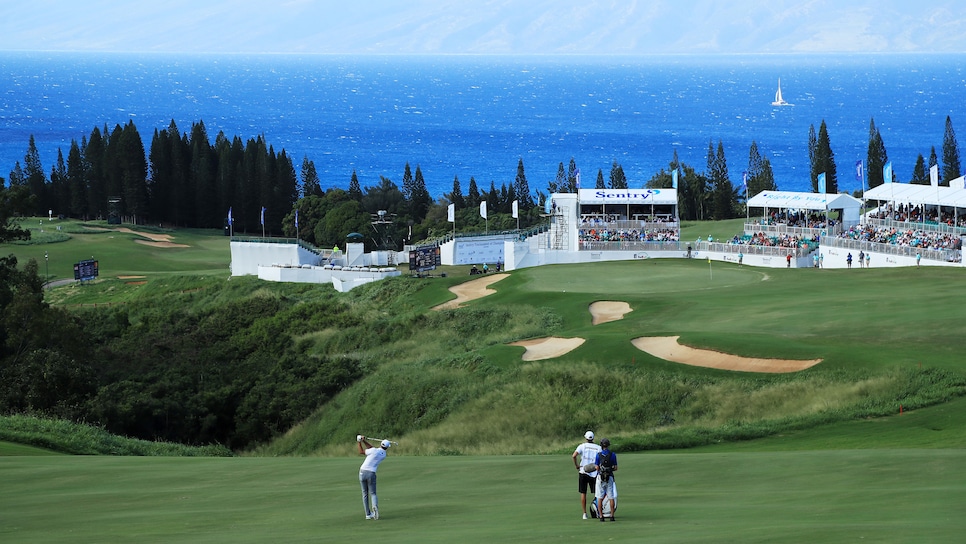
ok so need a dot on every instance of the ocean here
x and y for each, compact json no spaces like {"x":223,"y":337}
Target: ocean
{"x":476,"y":116}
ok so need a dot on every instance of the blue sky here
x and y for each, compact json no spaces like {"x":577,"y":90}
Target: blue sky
{"x":524,"y":27}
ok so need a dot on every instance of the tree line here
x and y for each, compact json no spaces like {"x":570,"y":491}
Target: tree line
{"x":187,"y":181}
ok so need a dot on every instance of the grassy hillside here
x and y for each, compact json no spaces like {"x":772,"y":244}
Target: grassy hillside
{"x":449,"y":383}
{"x":458,"y":389}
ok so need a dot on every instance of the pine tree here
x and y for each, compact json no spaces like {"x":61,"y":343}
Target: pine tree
{"x":724,"y":200}
{"x":407,"y":183}
{"x":812,"y":151}
{"x":59,"y":189}
{"x":951,"y":168}
{"x":133,"y":171}
{"x":75,"y":181}
{"x":600,"y":180}
{"x":617,"y":178}
{"x":355,"y":191}
{"x":36,"y":180}
{"x":919,"y":175}
{"x":823,"y":161}
{"x":473,"y":194}
{"x":94,"y":171}
{"x":559,"y":184}
{"x":760,"y":175}
{"x":572,"y":176}
{"x":456,"y":197}
{"x":522,"y":188}
{"x":419,"y":199}
{"x":876,"y":158}
{"x":202,"y":179}
{"x":311,"y":186}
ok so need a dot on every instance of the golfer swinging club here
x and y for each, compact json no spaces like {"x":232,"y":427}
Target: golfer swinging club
{"x":367,"y":474}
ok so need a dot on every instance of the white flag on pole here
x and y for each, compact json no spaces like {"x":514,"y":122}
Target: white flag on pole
{"x":515,"y":209}
{"x":934,"y":175}
{"x":451,"y":213}
{"x":483,"y":209}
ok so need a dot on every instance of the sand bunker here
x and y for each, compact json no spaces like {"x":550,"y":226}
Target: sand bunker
{"x":471,"y":290}
{"x":148,"y":235}
{"x":547,"y":348}
{"x":160,"y":244}
{"x":605,"y":311}
{"x":667,"y":347}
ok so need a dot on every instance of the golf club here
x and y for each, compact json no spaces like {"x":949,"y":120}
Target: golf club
{"x":393,"y":442}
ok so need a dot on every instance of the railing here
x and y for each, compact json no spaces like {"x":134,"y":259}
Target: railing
{"x":778,"y":229}
{"x":930,"y":226}
{"x":749,"y":249}
{"x":625,"y":224}
{"x":734,"y":249}
{"x":944,"y":255}
{"x":631,"y":245}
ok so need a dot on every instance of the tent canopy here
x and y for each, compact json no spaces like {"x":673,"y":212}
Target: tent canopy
{"x":918,"y":194}
{"x":804,"y":201}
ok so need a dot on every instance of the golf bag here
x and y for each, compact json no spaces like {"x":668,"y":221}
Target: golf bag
{"x":594,"y":513}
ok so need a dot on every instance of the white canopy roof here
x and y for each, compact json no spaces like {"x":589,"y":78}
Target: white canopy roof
{"x":629,"y":196}
{"x":804,"y":201}
{"x":918,"y":194}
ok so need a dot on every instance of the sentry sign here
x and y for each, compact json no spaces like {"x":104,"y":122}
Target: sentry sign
{"x":628,"y":196}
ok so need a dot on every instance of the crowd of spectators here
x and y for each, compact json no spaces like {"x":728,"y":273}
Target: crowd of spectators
{"x":785,"y":240}
{"x":919,"y":238}
{"x":602,"y":220}
{"x":629,"y":235}
{"x":914,"y":214}
{"x":797,"y":219}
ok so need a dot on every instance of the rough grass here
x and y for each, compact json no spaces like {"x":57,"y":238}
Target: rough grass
{"x":80,"y":439}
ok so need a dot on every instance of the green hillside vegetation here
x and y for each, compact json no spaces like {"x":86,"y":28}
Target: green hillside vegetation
{"x":285,"y":369}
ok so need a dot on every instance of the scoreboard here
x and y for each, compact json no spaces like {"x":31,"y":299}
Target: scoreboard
{"x":424,"y":258}
{"x":85,"y":270}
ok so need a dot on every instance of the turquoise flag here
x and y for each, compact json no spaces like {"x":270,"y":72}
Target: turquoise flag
{"x":887,"y":173}
{"x":821,"y":182}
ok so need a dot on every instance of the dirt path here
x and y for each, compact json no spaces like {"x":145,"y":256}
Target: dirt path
{"x":668,"y":348}
{"x":471,"y":290}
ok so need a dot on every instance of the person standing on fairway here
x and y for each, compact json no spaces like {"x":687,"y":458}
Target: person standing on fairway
{"x":606,"y":486}
{"x":586,"y":454}
{"x":367,"y":474}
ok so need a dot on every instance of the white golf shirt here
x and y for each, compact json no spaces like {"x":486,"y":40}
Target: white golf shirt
{"x":374,"y":456}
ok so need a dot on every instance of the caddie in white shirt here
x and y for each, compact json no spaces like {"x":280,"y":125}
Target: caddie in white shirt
{"x":585,"y":454}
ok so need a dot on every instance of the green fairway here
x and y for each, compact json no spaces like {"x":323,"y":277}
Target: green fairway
{"x":120,"y":252}
{"x":839,"y":496}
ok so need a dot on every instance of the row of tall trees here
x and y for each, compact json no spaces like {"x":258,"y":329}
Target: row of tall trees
{"x":822,"y":160}
{"x":192,"y":183}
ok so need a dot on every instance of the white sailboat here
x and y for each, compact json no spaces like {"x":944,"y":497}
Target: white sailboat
{"x":779,"y":101}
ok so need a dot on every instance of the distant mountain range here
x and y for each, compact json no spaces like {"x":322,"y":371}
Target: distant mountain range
{"x":525,"y":27}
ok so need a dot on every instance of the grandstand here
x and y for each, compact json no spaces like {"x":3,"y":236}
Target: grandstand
{"x":909,"y":225}
{"x":609,"y":224}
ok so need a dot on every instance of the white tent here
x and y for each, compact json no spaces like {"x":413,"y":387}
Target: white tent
{"x":787,"y":200}
{"x":907,"y":193}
